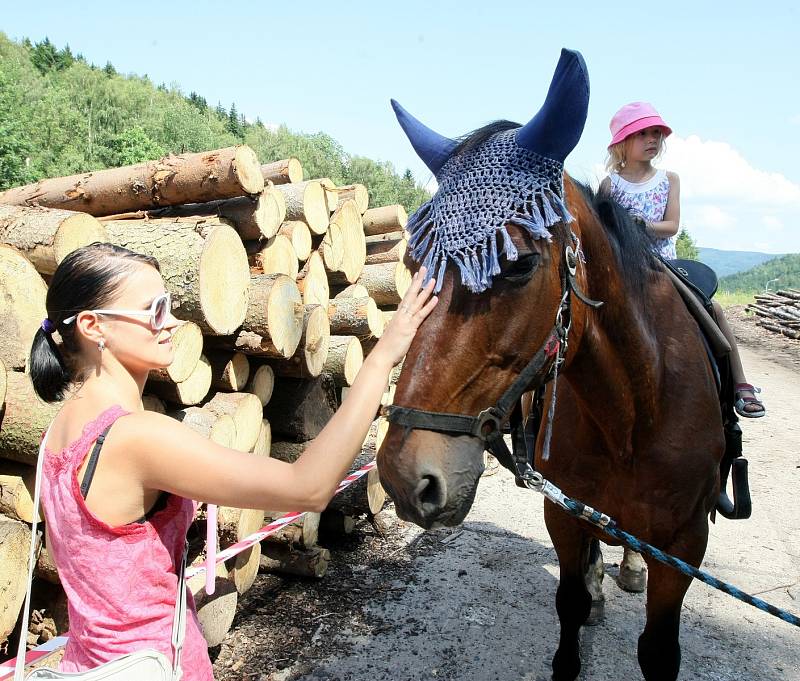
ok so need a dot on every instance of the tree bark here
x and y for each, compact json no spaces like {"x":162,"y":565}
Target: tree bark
{"x":215,"y":612}
{"x":229,"y":370}
{"x":273,"y":325}
{"x":386,"y":282}
{"x":299,"y":234}
{"x":309,"y":358}
{"x":386,"y":251}
{"x":356,"y":192}
{"x":355,"y":317}
{"x":46,"y":235}
{"x":344,"y":360}
{"x":306,"y":201}
{"x":16,"y":491}
{"x":286,"y":171}
{"x":187,"y":344}
{"x":252,"y":218}
{"x":3,"y":385}
{"x":204,"y":267}
{"x":15,"y":538}
{"x":188,"y":392}
{"x":312,"y":281}
{"x":302,"y":533}
{"x":299,"y":410}
{"x":385,"y":219}
{"x":172,"y":180}
{"x":282,"y":559}
{"x":351,"y":291}
{"x":22,"y":306}
{"x":153,"y":403}
{"x":365,"y":496}
{"x":24,"y":420}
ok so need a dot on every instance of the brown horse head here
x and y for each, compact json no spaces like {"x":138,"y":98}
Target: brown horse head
{"x":498,"y":220}
{"x":465,"y":356}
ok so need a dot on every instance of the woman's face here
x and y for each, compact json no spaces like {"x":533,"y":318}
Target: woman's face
{"x":132,"y":340}
{"x":644,"y":145}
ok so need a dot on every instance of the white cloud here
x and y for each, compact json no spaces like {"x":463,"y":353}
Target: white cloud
{"x":711,"y":216}
{"x":772,"y":223}
{"x":794,"y":120}
{"x":715,"y":170}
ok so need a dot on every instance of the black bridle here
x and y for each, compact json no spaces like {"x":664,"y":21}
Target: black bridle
{"x":488,"y":425}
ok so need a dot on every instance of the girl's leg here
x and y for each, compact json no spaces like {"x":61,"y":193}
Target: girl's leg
{"x":752,"y":405}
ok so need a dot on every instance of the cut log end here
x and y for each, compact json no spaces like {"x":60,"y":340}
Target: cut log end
{"x":224,"y":280}
{"x":248,"y":170}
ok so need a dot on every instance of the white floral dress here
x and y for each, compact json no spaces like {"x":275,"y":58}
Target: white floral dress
{"x":648,"y":200}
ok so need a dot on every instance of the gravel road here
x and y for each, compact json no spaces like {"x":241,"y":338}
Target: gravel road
{"x":477,"y":602}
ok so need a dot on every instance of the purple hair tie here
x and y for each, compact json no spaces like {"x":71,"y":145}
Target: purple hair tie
{"x":48,"y":327}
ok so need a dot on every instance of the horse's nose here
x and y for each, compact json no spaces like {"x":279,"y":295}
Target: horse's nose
{"x":430,"y":496}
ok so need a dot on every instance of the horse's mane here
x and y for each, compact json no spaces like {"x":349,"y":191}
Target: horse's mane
{"x":474,"y":139}
{"x":632,"y":248}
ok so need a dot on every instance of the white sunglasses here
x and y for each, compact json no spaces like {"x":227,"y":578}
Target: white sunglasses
{"x":158,"y":313}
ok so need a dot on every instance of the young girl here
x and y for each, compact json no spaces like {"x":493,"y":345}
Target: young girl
{"x":117,"y":518}
{"x":652,"y":196}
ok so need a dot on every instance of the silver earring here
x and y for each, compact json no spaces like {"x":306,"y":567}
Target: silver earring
{"x":101,"y":344}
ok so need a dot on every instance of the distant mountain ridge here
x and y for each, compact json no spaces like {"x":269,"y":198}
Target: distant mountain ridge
{"x":725,"y":263}
{"x":780,"y":272}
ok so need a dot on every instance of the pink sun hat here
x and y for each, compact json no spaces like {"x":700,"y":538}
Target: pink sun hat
{"x":634,"y":117}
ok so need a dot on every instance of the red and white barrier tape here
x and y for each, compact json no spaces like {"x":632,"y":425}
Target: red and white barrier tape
{"x":54,"y":644}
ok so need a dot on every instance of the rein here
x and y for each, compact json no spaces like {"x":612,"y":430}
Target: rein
{"x":543,"y":367}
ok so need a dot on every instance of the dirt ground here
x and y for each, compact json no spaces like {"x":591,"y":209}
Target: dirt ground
{"x":477,"y":602}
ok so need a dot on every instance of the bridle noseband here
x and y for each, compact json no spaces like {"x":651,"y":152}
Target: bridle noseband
{"x":543,"y":367}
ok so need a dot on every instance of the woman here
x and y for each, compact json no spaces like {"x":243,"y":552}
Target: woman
{"x":118,"y":481}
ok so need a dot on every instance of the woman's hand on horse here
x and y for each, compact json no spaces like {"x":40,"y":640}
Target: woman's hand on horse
{"x":416,"y":305}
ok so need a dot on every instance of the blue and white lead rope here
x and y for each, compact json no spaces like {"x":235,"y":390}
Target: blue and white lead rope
{"x":580,"y":510}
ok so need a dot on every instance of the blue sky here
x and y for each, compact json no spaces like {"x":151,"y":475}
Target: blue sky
{"x":723,"y":75}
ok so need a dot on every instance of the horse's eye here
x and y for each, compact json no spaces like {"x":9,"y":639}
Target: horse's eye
{"x":522,"y":269}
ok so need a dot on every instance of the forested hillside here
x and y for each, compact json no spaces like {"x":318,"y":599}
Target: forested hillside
{"x":60,"y":115}
{"x":786,"y":269}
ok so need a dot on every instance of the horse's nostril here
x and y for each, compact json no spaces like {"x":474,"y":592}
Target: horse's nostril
{"x":430,"y":495}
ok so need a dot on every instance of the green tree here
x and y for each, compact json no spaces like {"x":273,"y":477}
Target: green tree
{"x":109,"y":70}
{"x":686,"y":246}
{"x":44,"y":56}
{"x":130,"y":146}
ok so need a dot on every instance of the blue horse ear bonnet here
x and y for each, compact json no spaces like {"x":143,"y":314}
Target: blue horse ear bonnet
{"x":514,"y":177}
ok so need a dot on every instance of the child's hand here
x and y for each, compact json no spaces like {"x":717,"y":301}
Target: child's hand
{"x":412,"y":311}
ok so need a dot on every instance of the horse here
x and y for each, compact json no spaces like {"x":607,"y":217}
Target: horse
{"x":635,"y":423}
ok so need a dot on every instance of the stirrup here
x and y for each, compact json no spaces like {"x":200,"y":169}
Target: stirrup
{"x":732,"y":463}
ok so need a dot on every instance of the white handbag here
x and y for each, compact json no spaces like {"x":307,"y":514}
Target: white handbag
{"x":143,"y":665}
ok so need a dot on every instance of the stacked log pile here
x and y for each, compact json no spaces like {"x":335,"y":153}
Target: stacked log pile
{"x":779,"y":312}
{"x":284,"y":285}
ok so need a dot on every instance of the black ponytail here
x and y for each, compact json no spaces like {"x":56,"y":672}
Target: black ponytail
{"x":88,"y":278}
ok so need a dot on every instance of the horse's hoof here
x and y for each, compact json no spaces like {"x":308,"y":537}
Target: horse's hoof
{"x":634,"y":581}
{"x":597,"y":614}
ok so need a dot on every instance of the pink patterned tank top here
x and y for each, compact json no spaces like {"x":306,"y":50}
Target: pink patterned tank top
{"x":120,"y":582}
{"x":648,"y":200}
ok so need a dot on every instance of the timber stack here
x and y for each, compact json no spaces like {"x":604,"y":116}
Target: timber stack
{"x":778,"y":312}
{"x":284,"y":285}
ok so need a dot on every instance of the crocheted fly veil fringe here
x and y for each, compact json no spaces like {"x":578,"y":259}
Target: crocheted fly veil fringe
{"x":481,"y":192}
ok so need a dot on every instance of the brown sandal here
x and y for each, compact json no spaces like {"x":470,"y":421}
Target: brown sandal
{"x":742,"y":401}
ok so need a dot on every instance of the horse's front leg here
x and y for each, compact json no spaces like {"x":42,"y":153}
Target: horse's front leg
{"x":659,"y":645}
{"x":573,"y":600}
